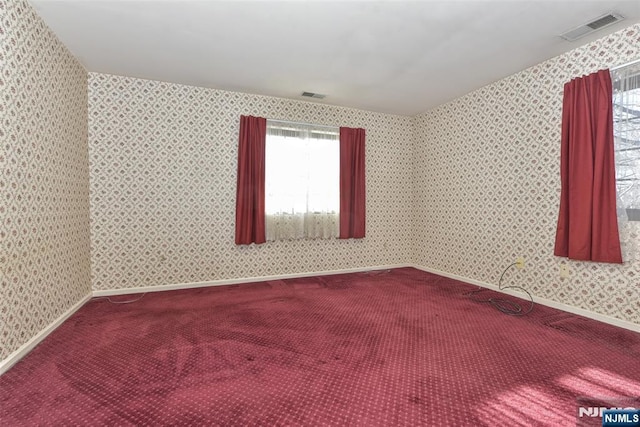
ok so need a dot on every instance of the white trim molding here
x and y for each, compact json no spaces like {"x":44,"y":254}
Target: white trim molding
{"x":14,"y":357}
{"x":539,"y":300}
{"x":160,"y":288}
{"x":25,"y":348}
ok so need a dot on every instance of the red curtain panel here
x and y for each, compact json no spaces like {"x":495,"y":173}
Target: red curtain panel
{"x":250,"y":186}
{"x":587,"y":222}
{"x":352,"y":183}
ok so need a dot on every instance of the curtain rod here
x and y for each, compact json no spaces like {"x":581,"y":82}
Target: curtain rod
{"x":625,"y":65}
{"x":288,"y":122}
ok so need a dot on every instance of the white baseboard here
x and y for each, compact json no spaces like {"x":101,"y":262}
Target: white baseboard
{"x":539,"y":300}
{"x":14,"y":357}
{"x":160,"y":288}
{"x":25,"y":348}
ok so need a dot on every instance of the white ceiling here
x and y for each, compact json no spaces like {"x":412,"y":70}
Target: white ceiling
{"x":401,"y":57}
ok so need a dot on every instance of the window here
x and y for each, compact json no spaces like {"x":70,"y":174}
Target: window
{"x":302,"y":181}
{"x":332,"y":202}
{"x":626,"y":128}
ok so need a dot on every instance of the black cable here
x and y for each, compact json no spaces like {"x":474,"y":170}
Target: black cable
{"x":120,"y":302}
{"x":376,"y":272}
{"x":505,"y":306}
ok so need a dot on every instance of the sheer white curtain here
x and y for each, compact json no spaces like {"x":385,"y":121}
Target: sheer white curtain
{"x":626,"y":129}
{"x":302,"y":181}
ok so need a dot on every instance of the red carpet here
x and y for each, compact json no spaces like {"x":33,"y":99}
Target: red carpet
{"x":371,"y":349}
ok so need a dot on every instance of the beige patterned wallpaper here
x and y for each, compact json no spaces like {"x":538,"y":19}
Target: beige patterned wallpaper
{"x":486,"y":179}
{"x":44,"y":177}
{"x":163,"y":173}
{"x":464,"y":188}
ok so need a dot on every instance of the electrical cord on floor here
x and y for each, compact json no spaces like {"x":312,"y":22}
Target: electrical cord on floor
{"x":375,"y":272}
{"x":120,"y":302}
{"x":503,"y":305}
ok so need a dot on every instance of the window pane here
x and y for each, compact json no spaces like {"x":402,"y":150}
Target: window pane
{"x":626,"y":120}
{"x":302,"y":173}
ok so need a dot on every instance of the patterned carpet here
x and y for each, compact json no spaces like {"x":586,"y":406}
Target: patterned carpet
{"x":400,"y":347}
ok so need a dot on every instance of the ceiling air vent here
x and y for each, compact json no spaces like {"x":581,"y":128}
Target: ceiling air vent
{"x":589,"y":27}
{"x":313,"y":95}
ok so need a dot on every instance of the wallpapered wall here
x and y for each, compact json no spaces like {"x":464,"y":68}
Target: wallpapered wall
{"x":163,"y":175}
{"x":487,"y":186}
{"x":44,"y":177}
{"x":464,"y":188}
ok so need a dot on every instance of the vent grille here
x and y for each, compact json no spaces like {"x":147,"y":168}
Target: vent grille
{"x":589,"y":27}
{"x":313,"y":95}
{"x":602,"y":22}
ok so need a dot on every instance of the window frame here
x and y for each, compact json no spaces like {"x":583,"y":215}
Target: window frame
{"x":626,"y":145}
{"x":309,"y":223}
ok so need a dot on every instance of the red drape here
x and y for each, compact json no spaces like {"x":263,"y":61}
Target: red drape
{"x":250,"y":186}
{"x":352,"y":183}
{"x":587,"y":223}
